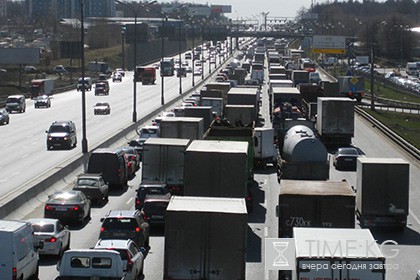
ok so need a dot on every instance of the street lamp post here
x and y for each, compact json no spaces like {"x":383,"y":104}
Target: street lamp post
{"x":82,"y":42}
{"x":136,"y":12}
{"x":179,"y":56}
{"x":193,"y":83}
{"x":122,"y":47}
{"x":162,"y":83}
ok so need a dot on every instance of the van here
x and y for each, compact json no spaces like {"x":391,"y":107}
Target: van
{"x":111,"y":164}
{"x":149,"y":131}
{"x":87,"y":83}
{"x":91,"y":264}
{"x":16,"y":103}
{"x":19,"y":257}
{"x":411,"y":68}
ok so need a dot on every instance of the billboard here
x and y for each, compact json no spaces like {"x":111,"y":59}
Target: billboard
{"x":329,"y":44}
{"x":70,"y":49}
{"x":19,"y":55}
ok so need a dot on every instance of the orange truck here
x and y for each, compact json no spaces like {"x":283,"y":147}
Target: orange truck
{"x":148,"y":76}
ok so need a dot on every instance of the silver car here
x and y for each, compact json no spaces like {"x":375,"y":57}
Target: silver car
{"x":131,"y":255}
{"x":4,"y":116}
{"x":53,"y":233}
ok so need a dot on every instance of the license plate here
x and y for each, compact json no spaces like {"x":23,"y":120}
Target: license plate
{"x":61,"y":208}
{"x":157,"y":216}
{"x":348,"y":159}
{"x":119,"y":234}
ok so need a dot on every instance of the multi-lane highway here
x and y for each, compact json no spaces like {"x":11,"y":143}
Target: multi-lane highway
{"x":23,"y":156}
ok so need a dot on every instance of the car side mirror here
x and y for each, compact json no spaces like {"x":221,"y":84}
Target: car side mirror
{"x":102,"y":219}
{"x":46,"y":131}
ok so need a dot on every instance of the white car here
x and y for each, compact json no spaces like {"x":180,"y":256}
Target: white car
{"x":168,"y":114}
{"x":54,"y":234}
{"x":121,"y":71}
{"x":102,"y":108}
{"x":131,"y":255}
{"x":117,"y":77}
{"x":198,"y":71}
{"x":149,"y":131}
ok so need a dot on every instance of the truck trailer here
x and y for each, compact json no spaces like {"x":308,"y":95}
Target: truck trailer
{"x":329,"y":204}
{"x":163,"y":162}
{"x":382,"y":192}
{"x":335,"y":120}
{"x":337,"y":253}
{"x":41,"y":87}
{"x":205,"y":238}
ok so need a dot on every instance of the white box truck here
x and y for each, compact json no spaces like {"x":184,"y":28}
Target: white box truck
{"x":337,"y":253}
{"x":205,"y":238}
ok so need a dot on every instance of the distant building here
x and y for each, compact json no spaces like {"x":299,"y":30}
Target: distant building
{"x":68,"y":8}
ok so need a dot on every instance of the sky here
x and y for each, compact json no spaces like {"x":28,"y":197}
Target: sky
{"x":251,"y":8}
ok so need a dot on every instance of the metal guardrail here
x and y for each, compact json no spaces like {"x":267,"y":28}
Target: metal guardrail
{"x":413,"y":151}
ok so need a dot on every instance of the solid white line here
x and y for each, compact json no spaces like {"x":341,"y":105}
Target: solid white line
{"x":414,"y":216}
{"x":266,"y":231}
{"x":129,"y":201}
{"x":26,"y":155}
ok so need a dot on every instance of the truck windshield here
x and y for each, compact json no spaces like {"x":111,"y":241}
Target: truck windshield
{"x":12,"y":100}
{"x":59,"y":128}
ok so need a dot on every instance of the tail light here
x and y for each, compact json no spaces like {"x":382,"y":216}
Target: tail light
{"x":48,"y":207}
{"x":145,"y":218}
{"x":14,"y":273}
{"x":119,"y":172}
{"x":52,"y":239}
{"x":248,"y":198}
{"x":138,"y":229}
{"x":102,"y":229}
{"x":137,"y":201}
{"x":75,"y":208}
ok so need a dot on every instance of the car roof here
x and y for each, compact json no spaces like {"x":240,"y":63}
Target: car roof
{"x":90,"y":175}
{"x":113,"y":243}
{"x":121,"y":213}
{"x":42,"y":220}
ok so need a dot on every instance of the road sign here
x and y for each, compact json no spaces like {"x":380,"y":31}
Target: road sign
{"x":329,"y":44}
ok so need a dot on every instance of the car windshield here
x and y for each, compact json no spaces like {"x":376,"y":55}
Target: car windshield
{"x":152,"y":190}
{"x":149,"y":130}
{"x":64,"y":198}
{"x":119,"y":224}
{"x":43,"y":227}
{"x":101,"y":104}
{"x":12,"y":100}
{"x":59,"y":128}
{"x":348,"y":152}
{"x":87,"y":182}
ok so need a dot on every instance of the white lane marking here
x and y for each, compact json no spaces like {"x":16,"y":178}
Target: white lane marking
{"x":414,"y":216}
{"x":26,"y":155}
{"x":129,"y":201}
{"x":266,"y":231}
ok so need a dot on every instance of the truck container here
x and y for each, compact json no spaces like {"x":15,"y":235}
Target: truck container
{"x":382,"y":192}
{"x":303,"y":156}
{"x":299,"y":76}
{"x":99,"y":66}
{"x":335,"y":120}
{"x":223,"y":86}
{"x":239,"y":74}
{"x":216,"y":104}
{"x":204,"y":112}
{"x":356,"y":255}
{"x":331,"y":89}
{"x":352,"y":87}
{"x":257,"y":72}
{"x":264,"y":148}
{"x":216,"y":169}
{"x":277,"y":69}
{"x":41,"y":87}
{"x":167,"y":67}
{"x":285,"y":103}
{"x":315,"y":204}
{"x":244,"y":96}
{"x":197,"y":231}
{"x":259,"y":57}
{"x":181,"y":127}
{"x":272,"y":77}
{"x":148,"y":76}
{"x":163,"y":162}
{"x":220,"y":130}
{"x":240,"y":115}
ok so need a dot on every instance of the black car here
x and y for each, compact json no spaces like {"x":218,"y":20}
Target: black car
{"x":138,"y":144}
{"x":61,"y":134}
{"x":42,"y":101}
{"x":70,"y":206}
{"x":346,"y":159}
{"x":4,"y":116}
{"x":93,"y":186}
{"x":154,"y":208}
{"x":125,"y":224}
{"x":149,"y":189}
